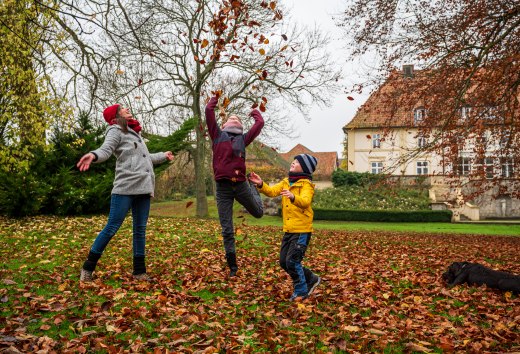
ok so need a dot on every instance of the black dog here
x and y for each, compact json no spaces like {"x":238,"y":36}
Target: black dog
{"x":477,"y":274}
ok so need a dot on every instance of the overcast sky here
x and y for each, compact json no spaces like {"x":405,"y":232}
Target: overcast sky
{"x":323,"y":133}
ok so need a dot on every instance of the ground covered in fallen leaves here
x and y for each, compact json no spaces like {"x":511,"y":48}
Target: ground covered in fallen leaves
{"x":381,"y":292}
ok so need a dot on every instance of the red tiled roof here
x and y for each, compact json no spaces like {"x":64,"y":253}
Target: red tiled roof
{"x":384,"y":109}
{"x":327,"y":161}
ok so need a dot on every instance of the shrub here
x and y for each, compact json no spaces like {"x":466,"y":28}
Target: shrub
{"x":372,"y":197}
{"x":342,"y":178}
{"x":384,"y":215}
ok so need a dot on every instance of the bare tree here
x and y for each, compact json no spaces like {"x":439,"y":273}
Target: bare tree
{"x":167,"y":57}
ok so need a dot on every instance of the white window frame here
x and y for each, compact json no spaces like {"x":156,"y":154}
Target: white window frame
{"x":507,"y":168}
{"x":488,"y":164}
{"x":376,"y":141}
{"x":465,"y":112}
{"x":464,"y":167}
{"x":421,"y":167}
{"x":376,"y":167}
{"x":490,"y":112}
{"x":421,"y":141}
{"x":418,"y":115}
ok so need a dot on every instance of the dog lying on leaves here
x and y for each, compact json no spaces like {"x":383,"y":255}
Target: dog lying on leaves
{"x":477,"y":274}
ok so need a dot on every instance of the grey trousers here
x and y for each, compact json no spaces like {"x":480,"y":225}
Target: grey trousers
{"x":245,"y":194}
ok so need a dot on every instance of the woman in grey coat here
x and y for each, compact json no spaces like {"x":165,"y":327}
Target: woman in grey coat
{"x":134,"y":184}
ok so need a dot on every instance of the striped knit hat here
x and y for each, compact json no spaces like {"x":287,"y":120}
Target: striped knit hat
{"x":307,"y":162}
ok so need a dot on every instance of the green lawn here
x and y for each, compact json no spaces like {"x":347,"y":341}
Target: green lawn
{"x":179,"y":209}
{"x":382,"y":291}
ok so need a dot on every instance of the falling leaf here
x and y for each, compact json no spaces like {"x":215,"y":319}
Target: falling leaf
{"x":205,"y":43}
{"x":139,"y":82}
{"x":226,"y":102}
{"x":137,"y":97}
{"x":119,"y":72}
{"x":284,"y":36}
{"x":163,"y":41}
{"x":261,"y":51}
{"x":254,"y":105}
{"x":350,"y":162}
{"x":350,"y":98}
{"x":272,"y":5}
{"x":262,"y":107}
{"x":188,"y":204}
{"x":266,"y":41}
{"x":369,"y":136}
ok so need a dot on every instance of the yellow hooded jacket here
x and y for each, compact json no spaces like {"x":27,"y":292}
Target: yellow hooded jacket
{"x":297,"y":215}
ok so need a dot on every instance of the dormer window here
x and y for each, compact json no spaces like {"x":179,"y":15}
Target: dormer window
{"x":418,"y":115}
{"x":491,"y":113}
{"x":465,"y":113}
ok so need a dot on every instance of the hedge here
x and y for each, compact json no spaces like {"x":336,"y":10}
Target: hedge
{"x":383,"y":215}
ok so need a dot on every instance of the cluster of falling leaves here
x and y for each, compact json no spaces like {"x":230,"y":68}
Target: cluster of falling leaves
{"x":380,"y":290}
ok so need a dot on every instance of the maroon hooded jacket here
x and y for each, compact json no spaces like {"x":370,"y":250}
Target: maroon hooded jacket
{"x":229,"y":150}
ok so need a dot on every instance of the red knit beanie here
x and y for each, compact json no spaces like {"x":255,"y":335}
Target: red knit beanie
{"x":110,"y":113}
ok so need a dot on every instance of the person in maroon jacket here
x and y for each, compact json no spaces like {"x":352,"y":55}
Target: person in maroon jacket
{"x":229,"y":168}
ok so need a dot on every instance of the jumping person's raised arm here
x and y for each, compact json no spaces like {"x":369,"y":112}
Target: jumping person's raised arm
{"x":256,"y":128}
{"x":211,"y":121}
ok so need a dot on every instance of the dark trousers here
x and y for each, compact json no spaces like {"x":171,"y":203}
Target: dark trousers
{"x":292,"y":252}
{"x":245,"y":194}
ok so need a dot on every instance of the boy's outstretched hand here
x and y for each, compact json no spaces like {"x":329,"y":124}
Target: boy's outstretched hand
{"x":254,"y":178}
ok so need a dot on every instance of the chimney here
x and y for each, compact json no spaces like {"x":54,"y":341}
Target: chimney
{"x":408,"y":71}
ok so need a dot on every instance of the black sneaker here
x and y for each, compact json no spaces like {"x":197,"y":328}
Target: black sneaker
{"x":316,"y":280}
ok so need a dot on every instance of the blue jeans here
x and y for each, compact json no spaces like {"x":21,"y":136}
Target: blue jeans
{"x":292,"y":252}
{"x":119,"y":207}
{"x":245,"y":194}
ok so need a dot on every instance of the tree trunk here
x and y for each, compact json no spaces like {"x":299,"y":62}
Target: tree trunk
{"x":200,"y":168}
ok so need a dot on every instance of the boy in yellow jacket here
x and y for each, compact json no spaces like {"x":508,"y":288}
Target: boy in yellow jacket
{"x":297,"y":192}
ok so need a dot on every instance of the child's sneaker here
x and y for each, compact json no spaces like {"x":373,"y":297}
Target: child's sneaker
{"x":316,"y":280}
{"x":143,"y":277}
{"x":86,"y":276}
{"x":295,"y":296}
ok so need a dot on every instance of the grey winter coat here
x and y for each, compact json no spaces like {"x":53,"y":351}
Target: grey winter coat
{"x":134,"y":164}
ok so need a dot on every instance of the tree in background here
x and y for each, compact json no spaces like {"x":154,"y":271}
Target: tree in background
{"x":169,"y":57}
{"x":26,"y":106}
{"x":163,"y":59}
{"x":468,"y":82}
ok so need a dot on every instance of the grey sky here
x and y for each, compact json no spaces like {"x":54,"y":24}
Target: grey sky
{"x":323,"y":133}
